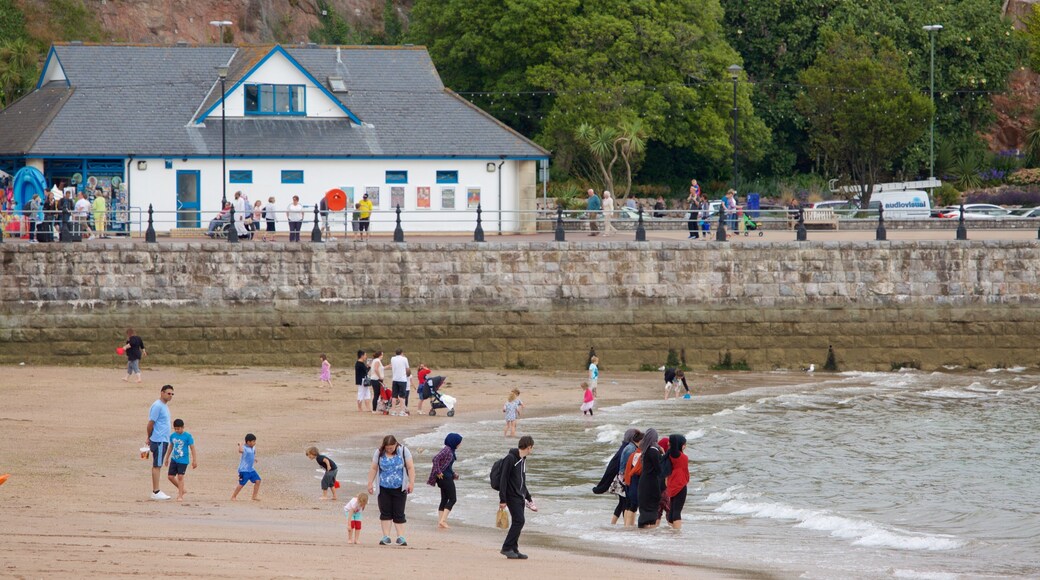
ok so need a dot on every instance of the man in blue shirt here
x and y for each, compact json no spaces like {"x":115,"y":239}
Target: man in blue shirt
{"x":594,"y":207}
{"x":159,"y":436}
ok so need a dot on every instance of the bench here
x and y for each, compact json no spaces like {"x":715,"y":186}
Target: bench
{"x":823,"y":216}
{"x":187,"y":232}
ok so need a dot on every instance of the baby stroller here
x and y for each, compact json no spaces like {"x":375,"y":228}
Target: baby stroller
{"x":386,"y":400}
{"x":751,"y":225}
{"x":431,"y":390}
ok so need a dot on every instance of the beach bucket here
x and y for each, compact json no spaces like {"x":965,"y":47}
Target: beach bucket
{"x":120,"y":350}
{"x":3,"y":478}
{"x":144,"y":453}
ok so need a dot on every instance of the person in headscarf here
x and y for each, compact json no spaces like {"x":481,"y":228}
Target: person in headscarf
{"x":666,"y":470}
{"x":443,"y":476}
{"x":649,"y":489}
{"x":615,"y":467}
{"x":678,"y":480}
{"x":630,"y":459}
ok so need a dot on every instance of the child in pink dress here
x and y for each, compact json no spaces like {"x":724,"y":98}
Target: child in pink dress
{"x":589,"y":400}
{"x":326,"y":371}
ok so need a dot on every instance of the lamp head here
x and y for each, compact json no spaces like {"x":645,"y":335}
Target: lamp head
{"x":734,"y":71}
{"x":222,"y":72}
{"x":220,"y":23}
{"x":933,"y":27}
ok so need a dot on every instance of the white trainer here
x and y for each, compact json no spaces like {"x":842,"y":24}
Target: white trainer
{"x":160,"y":496}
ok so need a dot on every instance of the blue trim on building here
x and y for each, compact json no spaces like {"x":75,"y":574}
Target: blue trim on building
{"x":397,"y":176}
{"x":240,"y":176}
{"x":260,"y":112}
{"x":314,"y":157}
{"x":306,"y":73}
{"x":47,"y":64}
{"x":448,"y":177}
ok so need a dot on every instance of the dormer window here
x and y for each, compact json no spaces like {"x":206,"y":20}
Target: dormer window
{"x":265,"y":99}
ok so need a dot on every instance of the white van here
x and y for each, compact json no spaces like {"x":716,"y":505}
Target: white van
{"x":910,"y":204}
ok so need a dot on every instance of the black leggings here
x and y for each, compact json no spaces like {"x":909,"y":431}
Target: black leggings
{"x":622,"y":505}
{"x":676,"y":505}
{"x":391,"y":504}
{"x":377,"y":391}
{"x":448,"y":495}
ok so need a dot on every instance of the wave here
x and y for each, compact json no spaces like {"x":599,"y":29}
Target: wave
{"x":1007,"y":370}
{"x":695,"y":434}
{"x":861,"y":532}
{"x":945,"y":393}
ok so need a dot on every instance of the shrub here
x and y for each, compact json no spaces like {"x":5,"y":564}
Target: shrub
{"x":1025,"y":177}
{"x":726,"y":363}
{"x":947,"y":195}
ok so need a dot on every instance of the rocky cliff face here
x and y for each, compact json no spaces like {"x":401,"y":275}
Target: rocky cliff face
{"x":255,"y":21}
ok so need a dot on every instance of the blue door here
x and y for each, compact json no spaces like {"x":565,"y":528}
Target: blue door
{"x":188,"y":199}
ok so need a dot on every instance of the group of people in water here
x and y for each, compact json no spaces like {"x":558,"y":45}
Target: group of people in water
{"x":649,"y":476}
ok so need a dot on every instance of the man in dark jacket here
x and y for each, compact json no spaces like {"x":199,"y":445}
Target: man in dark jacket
{"x":513,"y":494}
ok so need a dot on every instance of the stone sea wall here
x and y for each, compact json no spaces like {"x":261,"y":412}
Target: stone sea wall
{"x":529,"y":304}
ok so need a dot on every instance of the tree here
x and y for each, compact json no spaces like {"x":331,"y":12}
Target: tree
{"x":625,"y":143}
{"x":392,"y":27}
{"x":18,"y":70}
{"x":861,"y":109}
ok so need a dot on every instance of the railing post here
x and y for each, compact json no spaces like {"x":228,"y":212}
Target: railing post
{"x":882,"y":232}
{"x":640,"y":230}
{"x":316,"y":232}
{"x":478,"y":234}
{"x":64,"y":235}
{"x":232,"y":231}
{"x":560,"y":236}
{"x":398,"y":231}
{"x":801,"y":234}
{"x":962,"y":229}
{"x":3,"y":226}
{"x":149,"y":234}
{"x":720,"y":234}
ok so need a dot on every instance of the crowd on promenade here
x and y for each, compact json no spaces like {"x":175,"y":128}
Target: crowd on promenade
{"x":41,"y":217}
{"x":251,"y":220}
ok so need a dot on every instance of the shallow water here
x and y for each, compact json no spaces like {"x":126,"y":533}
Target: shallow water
{"x":905,"y":475}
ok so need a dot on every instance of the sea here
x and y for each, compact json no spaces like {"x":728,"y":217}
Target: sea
{"x":908,"y":474}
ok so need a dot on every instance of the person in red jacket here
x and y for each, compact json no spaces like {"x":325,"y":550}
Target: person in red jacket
{"x":675,"y":488}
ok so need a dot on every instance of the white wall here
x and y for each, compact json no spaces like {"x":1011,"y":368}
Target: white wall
{"x":157,"y":186}
{"x":279,"y":71}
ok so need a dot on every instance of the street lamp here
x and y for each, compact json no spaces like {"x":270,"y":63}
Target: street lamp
{"x":222,"y":73}
{"x":932,"y":29}
{"x":734,"y":73}
{"x":221,"y":24}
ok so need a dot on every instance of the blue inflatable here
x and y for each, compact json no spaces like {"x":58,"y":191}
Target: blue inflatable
{"x":26,"y":182}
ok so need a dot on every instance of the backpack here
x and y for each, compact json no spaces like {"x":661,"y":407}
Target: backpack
{"x":496,"y":474}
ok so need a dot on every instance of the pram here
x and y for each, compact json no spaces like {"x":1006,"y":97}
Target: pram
{"x":431,"y":390}
{"x":750,"y":224}
{"x":386,"y":400}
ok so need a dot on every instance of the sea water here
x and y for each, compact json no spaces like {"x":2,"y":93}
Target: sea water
{"x":864,"y":475}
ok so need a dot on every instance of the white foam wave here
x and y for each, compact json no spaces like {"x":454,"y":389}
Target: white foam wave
{"x":945,"y":393}
{"x":1030,"y":389}
{"x":695,"y":434}
{"x":977,"y":388}
{"x":924,"y":575}
{"x":723,"y":413}
{"x":1007,"y":370}
{"x":861,"y":532}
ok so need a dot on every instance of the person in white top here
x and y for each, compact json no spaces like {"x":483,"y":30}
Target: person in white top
{"x":375,"y":377}
{"x":401,"y":372}
{"x":295,"y":216}
{"x":270,"y":212}
{"x":80,"y":214}
{"x":608,"y":213}
{"x":241,"y":210}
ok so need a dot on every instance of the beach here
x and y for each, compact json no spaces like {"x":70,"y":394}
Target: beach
{"x":77,"y":502}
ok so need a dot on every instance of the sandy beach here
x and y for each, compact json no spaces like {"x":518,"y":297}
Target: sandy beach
{"x":77,"y":502}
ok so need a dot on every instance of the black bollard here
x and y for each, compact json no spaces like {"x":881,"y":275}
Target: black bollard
{"x":882,"y":233}
{"x":640,"y":230}
{"x":560,"y":237}
{"x":962,"y":230}
{"x":478,"y":234}
{"x":801,"y":234}
{"x":65,"y":235}
{"x":316,"y":232}
{"x":2,"y":225}
{"x":720,"y":234}
{"x":232,"y":231}
{"x":149,"y":234}
{"x":398,"y":232}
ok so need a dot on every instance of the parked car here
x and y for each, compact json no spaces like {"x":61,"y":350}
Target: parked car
{"x":1027,"y":213}
{"x":975,"y":211}
{"x":842,"y":207}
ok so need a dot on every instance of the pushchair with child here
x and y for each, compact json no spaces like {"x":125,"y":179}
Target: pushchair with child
{"x":386,"y":400}
{"x":430,"y":389}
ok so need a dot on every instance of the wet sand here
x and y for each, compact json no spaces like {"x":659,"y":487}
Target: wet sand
{"x":77,"y":502}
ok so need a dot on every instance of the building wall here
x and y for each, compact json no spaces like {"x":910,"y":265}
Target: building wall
{"x":157,"y":186}
{"x":533,"y":304}
{"x":279,"y":71}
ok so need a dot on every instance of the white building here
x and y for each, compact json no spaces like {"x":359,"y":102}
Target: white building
{"x":145,"y":122}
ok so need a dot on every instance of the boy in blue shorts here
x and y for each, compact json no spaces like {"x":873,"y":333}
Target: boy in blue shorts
{"x":181,"y":442}
{"x":246,"y":467}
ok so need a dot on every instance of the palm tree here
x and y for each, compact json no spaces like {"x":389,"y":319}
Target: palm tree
{"x":18,"y":62}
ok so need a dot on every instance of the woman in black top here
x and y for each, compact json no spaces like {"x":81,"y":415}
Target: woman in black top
{"x":364,"y":391}
{"x":50,"y":217}
{"x":650,"y":481}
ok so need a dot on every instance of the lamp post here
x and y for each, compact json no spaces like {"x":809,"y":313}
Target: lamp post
{"x":221,"y":24}
{"x":932,"y":29}
{"x":222,"y":73}
{"x":734,"y":73}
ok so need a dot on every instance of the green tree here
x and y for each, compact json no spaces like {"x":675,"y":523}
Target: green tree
{"x":862,"y":110}
{"x":393,"y":30}
{"x":333,"y":28}
{"x":18,"y":69}
{"x":609,"y":145}
{"x":1032,"y":37}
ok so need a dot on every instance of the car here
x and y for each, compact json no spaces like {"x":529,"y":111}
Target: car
{"x":842,"y":207}
{"x":975,"y":211}
{"x":1027,"y":213}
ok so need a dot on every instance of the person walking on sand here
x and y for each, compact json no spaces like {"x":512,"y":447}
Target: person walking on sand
{"x":364,"y":389}
{"x":181,"y":445}
{"x":512,"y":410}
{"x":354,"y":511}
{"x":649,"y":488}
{"x":247,"y":468}
{"x":375,"y":379}
{"x":326,"y":371}
{"x":443,"y":476}
{"x":135,"y":351}
{"x":328,"y":480}
{"x":401,"y":374}
{"x":159,"y":436}
{"x":393,"y":470}
{"x":514,"y":495}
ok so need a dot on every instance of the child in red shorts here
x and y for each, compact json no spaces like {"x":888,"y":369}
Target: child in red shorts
{"x":353,"y":511}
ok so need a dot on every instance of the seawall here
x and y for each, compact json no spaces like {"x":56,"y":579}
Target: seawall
{"x":529,"y":303}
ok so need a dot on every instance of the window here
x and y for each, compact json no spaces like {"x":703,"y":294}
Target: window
{"x":276,"y":99}
{"x":447,"y":177}
{"x":292,"y":176}
{"x":397,"y":177}
{"x":240,"y":176}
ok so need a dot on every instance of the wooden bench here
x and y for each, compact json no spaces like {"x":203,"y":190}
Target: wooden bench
{"x":823,"y":216}
{"x":187,"y":232}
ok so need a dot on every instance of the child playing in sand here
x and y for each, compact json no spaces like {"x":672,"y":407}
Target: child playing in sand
{"x":247,"y":468}
{"x":181,"y":443}
{"x":353,"y":511}
{"x":589,"y":400}
{"x":593,"y":373}
{"x":328,"y":481}
{"x":512,"y":411}
{"x":326,"y":371}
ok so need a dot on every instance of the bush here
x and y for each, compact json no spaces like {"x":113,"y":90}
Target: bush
{"x":726,"y":363}
{"x":947,"y":195}
{"x":1007,"y":196}
{"x":1025,"y":177}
